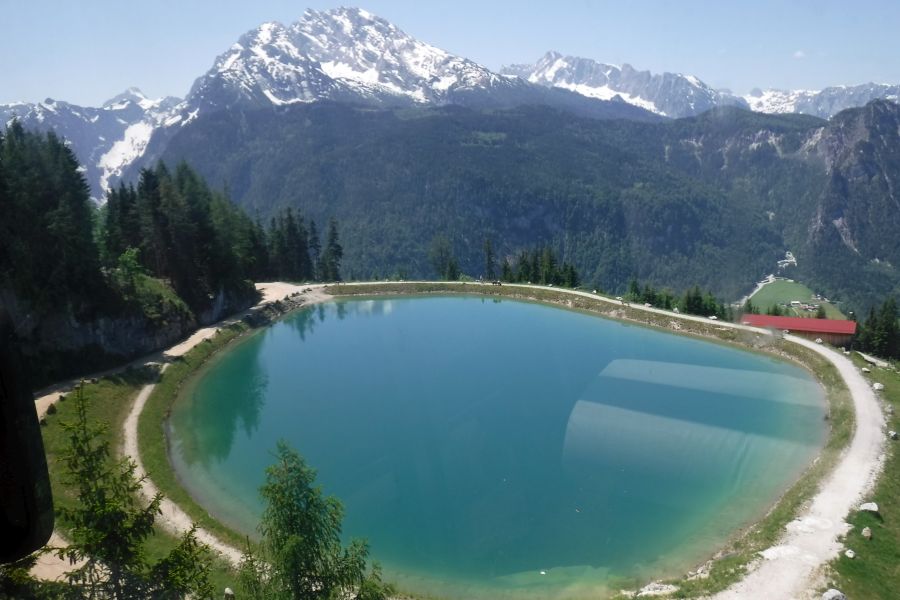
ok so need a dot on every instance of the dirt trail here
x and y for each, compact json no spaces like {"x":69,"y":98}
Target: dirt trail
{"x":791,"y":569}
{"x":49,"y":567}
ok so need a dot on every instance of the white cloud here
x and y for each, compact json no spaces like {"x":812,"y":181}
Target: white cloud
{"x":799,"y":54}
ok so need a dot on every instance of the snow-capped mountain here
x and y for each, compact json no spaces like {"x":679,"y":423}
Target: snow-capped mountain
{"x":348,"y":54}
{"x":105,"y":139}
{"x":667,"y":94}
{"x":358,"y":48}
{"x":822,"y":103}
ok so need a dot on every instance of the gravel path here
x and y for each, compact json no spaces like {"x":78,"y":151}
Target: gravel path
{"x":50,"y":567}
{"x":792,"y":569}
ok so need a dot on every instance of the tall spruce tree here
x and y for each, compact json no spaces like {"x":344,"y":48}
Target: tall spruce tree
{"x":490,"y":263}
{"x":315,"y":250}
{"x":109,"y":527}
{"x":330,"y":264}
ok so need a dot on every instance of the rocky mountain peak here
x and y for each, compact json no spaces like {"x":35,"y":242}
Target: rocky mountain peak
{"x":668,"y":94}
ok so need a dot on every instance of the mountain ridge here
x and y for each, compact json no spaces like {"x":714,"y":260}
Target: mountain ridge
{"x":351,"y":56}
{"x":715,"y":199}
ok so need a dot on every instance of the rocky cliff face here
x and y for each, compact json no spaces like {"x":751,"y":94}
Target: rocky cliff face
{"x":61,"y":344}
{"x":857,"y":216}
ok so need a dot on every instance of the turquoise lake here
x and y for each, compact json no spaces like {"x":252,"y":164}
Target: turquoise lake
{"x":496,"y":449}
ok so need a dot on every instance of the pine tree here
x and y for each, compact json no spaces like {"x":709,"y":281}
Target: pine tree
{"x":302,"y":557}
{"x":506,"y":272}
{"x":548,"y":267}
{"x":332,"y":255}
{"x":453,"y":271}
{"x":524,"y":273}
{"x":634,"y":291}
{"x":108,"y":527}
{"x":441,"y":255}
{"x":489,"y":262}
{"x":153,"y":237}
{"x":315,"y":250}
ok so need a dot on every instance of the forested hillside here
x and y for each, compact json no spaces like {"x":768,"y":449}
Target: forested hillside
{"x":88,"y":287}
{"x":713,"y":200}
{"x":597,"y":193}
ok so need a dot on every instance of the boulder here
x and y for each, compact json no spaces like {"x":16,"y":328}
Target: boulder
{"x":866,"y":370}
{"x":869,"y":507}
{"x":867,"y":533}
{"x":892,"y":434}
{"x":834,"y":594}
{"x":850,"y":553}
{"x":877,"y":386}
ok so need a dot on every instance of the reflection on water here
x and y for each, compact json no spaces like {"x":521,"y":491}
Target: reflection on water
{"x":206,"y":430}
{"x":303,"y":322}
{"x":477,"y":444}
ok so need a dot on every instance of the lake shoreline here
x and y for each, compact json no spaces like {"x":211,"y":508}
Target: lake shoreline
{"x":705,"y":328}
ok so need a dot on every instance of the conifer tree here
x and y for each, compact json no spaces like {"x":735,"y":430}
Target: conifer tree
{"x":332,"y":255}
{"x":506,"y":272}
{"x":109,"y":527}
{"x":302,"y":557}
{"x":315,"y":250}
{"x":490,"y":267}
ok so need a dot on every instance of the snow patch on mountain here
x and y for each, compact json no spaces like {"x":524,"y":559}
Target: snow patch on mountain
{"x":667,"y":94}
{"x":340,"y":54}
{"x":124,"y":151}
{"x":823,"y":103}
{"x":607,"y":93}
{"x":105,"y":139}
{"x":777,"y":101}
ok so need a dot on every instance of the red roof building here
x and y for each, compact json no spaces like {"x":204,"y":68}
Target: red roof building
{"x":830,"y":330}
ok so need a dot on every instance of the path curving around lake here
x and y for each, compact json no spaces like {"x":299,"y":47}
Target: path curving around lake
{"x":791,"y":569}
{"x":172,"y":517}
{"x":794,"y":567}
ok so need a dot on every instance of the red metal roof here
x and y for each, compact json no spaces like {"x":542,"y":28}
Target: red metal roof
{"x":801,"y":324}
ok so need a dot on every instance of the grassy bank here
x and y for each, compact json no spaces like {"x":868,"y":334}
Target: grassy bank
{"x":732,"y":561}
{"x":109,"y":401}
{"x":152,"y":443}
{"x":875,"y":571}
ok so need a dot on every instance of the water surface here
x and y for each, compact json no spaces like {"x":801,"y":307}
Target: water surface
{"x":500,"y":448}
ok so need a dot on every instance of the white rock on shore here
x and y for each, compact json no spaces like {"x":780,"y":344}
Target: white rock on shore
{"x":656,"y":589}
{"x":869,"y":507}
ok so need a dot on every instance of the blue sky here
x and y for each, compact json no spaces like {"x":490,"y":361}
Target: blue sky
{"x":87,"y":51}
